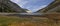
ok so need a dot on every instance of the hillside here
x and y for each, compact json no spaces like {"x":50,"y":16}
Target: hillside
{"x":52,"y":7}
{"x":8,"y":6}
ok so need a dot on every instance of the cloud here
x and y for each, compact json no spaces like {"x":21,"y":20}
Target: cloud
{"x":21,"y":3}
{"x":32,"y":5}
{"x":16,"y":1}
{"x":36,"y":9}
{"x":42,"y":6}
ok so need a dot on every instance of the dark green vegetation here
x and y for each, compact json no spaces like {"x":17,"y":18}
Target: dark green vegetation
{"x":8,"y":20}
{"x":10,"y":7}
{"x":5,"y":8}
{"x":18,"y":21}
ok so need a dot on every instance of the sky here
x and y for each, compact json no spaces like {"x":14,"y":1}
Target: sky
{"x":33,"y":5}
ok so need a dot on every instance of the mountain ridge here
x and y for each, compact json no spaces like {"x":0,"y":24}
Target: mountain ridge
{"x":9,"y":6}
{"x":52,"y":5}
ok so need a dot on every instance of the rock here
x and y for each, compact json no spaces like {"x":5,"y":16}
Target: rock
{"x":52,"y":7}
{"x":9,"y":6}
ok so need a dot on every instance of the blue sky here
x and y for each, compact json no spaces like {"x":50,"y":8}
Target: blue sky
{"x":32,"y":5}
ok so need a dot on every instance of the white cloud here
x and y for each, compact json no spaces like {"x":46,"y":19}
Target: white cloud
{"x":21,"y":3}
{"x":42,"y":6}
{"x":29,"y":7}
{"x":15,"y":1}
{"x":36,"y":9}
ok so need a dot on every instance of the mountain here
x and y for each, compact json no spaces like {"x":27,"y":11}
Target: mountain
{"x":51,"y":8}
{"x":8,"y":6}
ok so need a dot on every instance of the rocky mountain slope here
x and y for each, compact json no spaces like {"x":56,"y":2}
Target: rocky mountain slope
{"x":52,"y":7}
{"x":8,"y":6}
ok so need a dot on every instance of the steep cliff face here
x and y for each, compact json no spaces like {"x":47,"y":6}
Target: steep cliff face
{"x":8,"y":6}
{"x":52,"y":7}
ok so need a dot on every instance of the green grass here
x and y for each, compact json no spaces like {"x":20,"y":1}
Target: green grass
{"x":6,"y":20}
{"x":18,"y":21}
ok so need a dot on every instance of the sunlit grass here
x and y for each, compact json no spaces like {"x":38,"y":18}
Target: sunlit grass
{"x":7,"y":20}
{"x":18,"y":21}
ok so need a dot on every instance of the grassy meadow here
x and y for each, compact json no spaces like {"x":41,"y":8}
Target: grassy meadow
{"x":18,"y":21}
